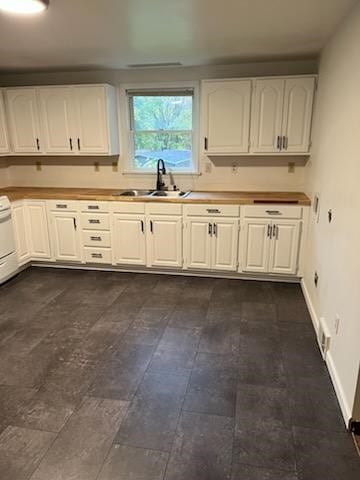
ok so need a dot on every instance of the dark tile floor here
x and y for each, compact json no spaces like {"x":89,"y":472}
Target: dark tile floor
{"x":115,"y":376}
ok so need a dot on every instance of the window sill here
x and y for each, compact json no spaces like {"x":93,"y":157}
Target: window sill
{"x":137,"y":172}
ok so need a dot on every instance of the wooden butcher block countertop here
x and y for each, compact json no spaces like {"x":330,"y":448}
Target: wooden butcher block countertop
{"x":239,"y":198}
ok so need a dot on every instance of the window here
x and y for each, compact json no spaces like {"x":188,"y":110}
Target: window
{"x":161,"y":126}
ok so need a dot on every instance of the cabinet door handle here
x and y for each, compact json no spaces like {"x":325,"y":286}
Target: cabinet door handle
{"x":151,"y":227}
{"x":94,"y":220}
{"x":96,"y":255}
{"x":205,"y":143}
{"x":213,"y":210}
{"x":75,"y":226}
{"x":215,"y":229}
{"x":38,"y":144}
{"x":273,"y":212}
{"x":71,"y":146}
{"x":278,"y":142}
{"x":210,"y":229}
{"x":61,"y":205}
{"x":274,"y":231}
{"x":78,"y":142}
{"x":95,"y":239}
{"x":284,"y":142}
{"x":142,"y":225}
{"x":269,"y":231}
{"x":93,"y":207}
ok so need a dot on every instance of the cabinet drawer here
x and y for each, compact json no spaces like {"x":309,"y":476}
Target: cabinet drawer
{"x":63,"y":205}
{"x":273,"y":211}
{"x":164,"y":208}
{"x":95,"y":221}
{"x":94,"y":206}
{"x":96,"y":238}
{"x":212,"y":210}
{"x":97,"y":255}
{"x":127,"y":207}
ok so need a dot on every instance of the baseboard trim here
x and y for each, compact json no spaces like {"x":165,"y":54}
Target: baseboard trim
{"x":329,"y":362}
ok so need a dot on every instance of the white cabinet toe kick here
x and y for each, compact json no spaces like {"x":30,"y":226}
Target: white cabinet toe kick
{"x":232,"y":241}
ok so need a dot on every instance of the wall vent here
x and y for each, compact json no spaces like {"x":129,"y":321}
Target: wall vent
{"x":323,"y":337}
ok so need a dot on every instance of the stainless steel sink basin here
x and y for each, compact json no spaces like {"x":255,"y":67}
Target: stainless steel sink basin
{"x":170,"y":194}
{"x":133,"y":193}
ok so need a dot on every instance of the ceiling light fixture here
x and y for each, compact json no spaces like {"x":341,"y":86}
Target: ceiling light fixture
{"x":25,"y":7}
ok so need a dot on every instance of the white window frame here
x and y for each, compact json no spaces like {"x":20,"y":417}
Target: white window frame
{"x":127,"y":153}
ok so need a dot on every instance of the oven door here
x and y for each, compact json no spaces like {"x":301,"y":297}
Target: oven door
{"x":7,"y":243}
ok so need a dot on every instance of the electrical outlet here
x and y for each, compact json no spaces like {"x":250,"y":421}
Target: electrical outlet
{"x":316,"y":279}
{"x":291,"y":167}
{"x":38,"y":166}
{"x":96,"y":166}
{"x":208,"y":167}
{"x":337,"y":323}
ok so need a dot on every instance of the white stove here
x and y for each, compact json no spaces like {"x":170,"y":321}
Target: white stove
{"x":8,"y":260}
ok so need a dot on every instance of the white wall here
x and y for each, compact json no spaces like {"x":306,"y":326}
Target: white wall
{"x":269,"y":173}
{"x":334,"y":172}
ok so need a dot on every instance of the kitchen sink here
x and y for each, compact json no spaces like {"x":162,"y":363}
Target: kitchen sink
{"x":170,"y":194}
{"x":133,"y":193}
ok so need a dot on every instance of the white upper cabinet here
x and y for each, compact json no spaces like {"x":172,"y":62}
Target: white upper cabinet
{"x":58,"y":121}
{"x":24,"y":120}
{"x":298,"y":105}
{"x":73,"y":120}
{"x":281,"y":115}
{"x":226,"y":116}
{"x":267,"y":108}
{"x":4,"y":139}
{"x":94,"y":119}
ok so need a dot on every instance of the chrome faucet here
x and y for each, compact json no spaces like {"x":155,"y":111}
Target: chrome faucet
{"x":160,"y":171}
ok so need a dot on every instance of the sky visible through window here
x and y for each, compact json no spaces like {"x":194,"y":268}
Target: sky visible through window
{"x":162,"y":128}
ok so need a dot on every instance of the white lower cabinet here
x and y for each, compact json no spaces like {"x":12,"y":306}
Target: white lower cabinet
{"x":211,"y":243}
{"x":31,"y":230}
{"x":20,"y":225}
{"x":65,"y":233}
{"x":164,"y":241}
{"x":129,"y":241}
{"x":271,"y":246}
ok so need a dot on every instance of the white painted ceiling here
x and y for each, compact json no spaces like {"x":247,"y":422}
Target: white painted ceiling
{"x":80,"y":34}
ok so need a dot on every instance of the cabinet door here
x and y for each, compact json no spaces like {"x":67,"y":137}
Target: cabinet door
{"x":65,"y":236}
{"x":164,"y":241}
{"x":298,"y":104}
{"x":57,"y":115}
{"x":198,"y":243}
{"x":20,"y":224}
{"x":256,"y":245}
{"x":128,"y":239}
{"x":285,"y":247}
{"x":267,"y":115}
{"x":224,"y":245}
{"x":4,"y":139}
{"x":38,"y":230}
{"x":24,"y":120}
{"x":226,"y":116}
{"x":92,"y":137}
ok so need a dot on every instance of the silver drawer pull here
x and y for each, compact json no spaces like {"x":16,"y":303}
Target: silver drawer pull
{"x":213,"y":210}
{"x":96,"y":239}
{"x":61,"y":205}
{"x":273,"y":212}
{"x":96,"y":255}
{"x":93,"y":207}
{"x":94,"y":220}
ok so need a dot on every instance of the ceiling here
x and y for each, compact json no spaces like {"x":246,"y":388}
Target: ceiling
{"x":84,"y":34}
